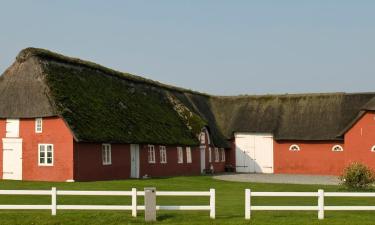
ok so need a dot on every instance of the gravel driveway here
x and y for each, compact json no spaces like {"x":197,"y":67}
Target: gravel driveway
{"x":279,"y":178}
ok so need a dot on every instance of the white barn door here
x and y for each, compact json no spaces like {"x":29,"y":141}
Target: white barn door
{"x":203,"y":158}
{"x":254,"y":153}
{"x":12,"y":158}
{"x":134,"y":157}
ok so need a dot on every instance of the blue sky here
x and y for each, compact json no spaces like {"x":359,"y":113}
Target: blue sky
{"x":218,"y":47}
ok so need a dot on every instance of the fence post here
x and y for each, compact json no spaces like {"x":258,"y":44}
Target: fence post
{"x":53,"y":201}
{"x":150,"y":204}
{"x":134,"y":202}
{"x":320,"y":204}
{"x":212,"y":204}
{"x":247,"y":204}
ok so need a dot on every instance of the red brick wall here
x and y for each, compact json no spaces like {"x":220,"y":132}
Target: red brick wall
{"x":313,"y":158}
{"x":359,"y":140}
{"x":54,"y":132}
{"x":88,"y":163}
{"x":171,"y":168}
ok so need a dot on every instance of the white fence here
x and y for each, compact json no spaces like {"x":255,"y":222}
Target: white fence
{"x":320,"y":207}
{"x":133,"y":207}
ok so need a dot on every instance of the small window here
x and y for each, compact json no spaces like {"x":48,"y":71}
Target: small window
{"x":180,"y":155}
{"x":151,"y":154}
{"x":222,"y":155}
{"x":45,"y":154}
{"x":163,"y":154}
{"x":337,"y":148}
{"x":188,"y":155}
{"x":106,"y":154}
{"x":209,"y":154}
{"x":294,"y":148}
{"x":202,"y":138}
{"x":38,"y":125}
{"x":373,"y":148}
{"x":217,"y":155}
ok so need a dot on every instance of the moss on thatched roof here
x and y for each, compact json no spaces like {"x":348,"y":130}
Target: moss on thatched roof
{"x":103,"y":105}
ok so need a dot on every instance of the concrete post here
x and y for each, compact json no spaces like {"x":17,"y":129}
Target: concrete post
{"x":150,"y":204}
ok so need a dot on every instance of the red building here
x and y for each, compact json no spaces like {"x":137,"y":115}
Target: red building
{"x":65,"y":119}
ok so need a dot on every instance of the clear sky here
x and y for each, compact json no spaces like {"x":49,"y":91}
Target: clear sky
{"x":219,"y":47}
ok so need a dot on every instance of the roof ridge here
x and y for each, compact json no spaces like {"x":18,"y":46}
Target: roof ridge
{"x":50,"y":55}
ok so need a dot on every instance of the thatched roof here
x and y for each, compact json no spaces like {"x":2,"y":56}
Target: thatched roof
{"x":104,"y":105}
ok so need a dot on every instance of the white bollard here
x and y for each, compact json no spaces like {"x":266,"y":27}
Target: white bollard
{"x":134,"y":202}
{"x":320,"y":204}
{"x":53,"y":201}
{"x":247,"y":204}
{"x":212,"y":204}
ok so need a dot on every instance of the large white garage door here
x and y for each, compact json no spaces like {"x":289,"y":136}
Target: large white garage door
{"x":254,"y":153}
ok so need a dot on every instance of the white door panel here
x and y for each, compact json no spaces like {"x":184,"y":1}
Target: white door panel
{"x":254,"y":153}
{"x":12,"y":158}
{"x":203,"y":158}
{"x":134,"y":157}
{"x":12,"y":128}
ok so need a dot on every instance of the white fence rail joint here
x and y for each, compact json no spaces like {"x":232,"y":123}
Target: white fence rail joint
{"x":320,"y":208}
{"x":134,"y":207}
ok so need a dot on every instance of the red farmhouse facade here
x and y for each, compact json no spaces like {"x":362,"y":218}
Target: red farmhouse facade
{"x":139,"y":128}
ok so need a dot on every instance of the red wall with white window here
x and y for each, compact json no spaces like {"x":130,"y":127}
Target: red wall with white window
{"x":88,"y":162}
{"x":314,"y":157}
{"x":172,"y":167}
{"x":218,"y":166}
{"x":54,"y":131}
{"x":360,"y":139}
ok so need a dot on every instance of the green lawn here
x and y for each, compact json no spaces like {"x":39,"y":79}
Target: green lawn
{"x":229,"y":203}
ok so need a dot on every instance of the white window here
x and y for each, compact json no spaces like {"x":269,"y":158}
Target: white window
{"x":180,"y":155}
{"x":163,"y":154}
{"x":38,"y":125}
{"x":294,"y":148}
{"x":337,"y":148}
{"x":106,"y":154}
{"x":188,"y":155}
{"x":202,"y":138}
{"x":45,"y":154}
{"x":373,"y":148}
{"x":151,"y":154}
{"x":222,"y":155}
{"x":217,"y":156}
{"x":209,"y":155}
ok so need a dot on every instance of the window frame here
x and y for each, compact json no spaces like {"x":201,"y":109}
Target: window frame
{"x":180,"y":155}
{"x":209,"y":155}
{"x":189,"y":158}
{"x":38,"y":129}
{"x":337,"y":146}
{"x":106,"y":154}
{"x":217,"y":155}
{"x":222,"y":154}
{"x":151,"y":149}
{"x":163,"y":154}
{"x":202,"y":138}
{"x":45,"y":154}
{"x":294,"y":146}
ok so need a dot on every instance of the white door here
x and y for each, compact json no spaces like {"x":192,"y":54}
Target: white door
{"x":12,"y":158}
{"x":134,"y":157}
{"x":203,"y":158}
{"x":12,"y":128}
{"x":254,"y":153}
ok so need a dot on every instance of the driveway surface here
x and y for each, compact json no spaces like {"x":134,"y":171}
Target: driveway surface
{"x":279,"y":178}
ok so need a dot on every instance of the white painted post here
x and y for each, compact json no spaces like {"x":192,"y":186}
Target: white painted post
{"x":212,"y":203}
{"x":134,"y":202}
{"x":247,"y":204}
{"x":320,"y":204}
{"x":53,"y":201}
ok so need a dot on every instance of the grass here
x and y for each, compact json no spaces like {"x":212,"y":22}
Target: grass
{"x":229,"y":208}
